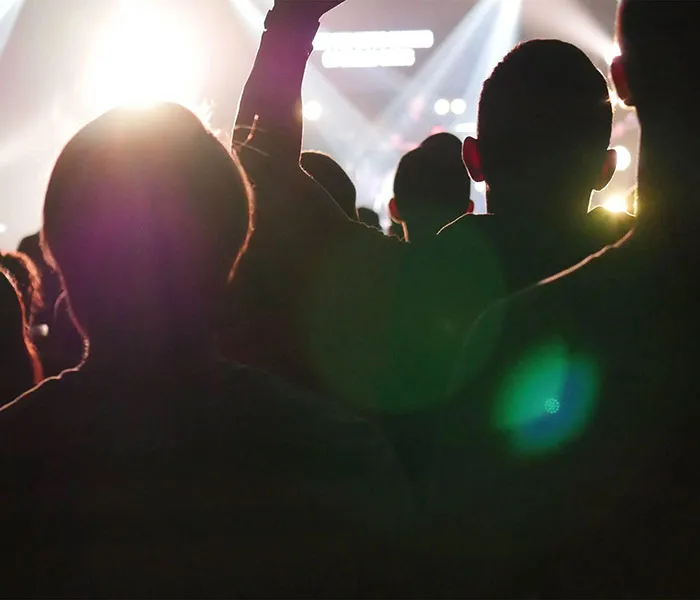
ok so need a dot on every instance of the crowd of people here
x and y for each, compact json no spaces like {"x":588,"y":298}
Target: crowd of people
{"x":220,"y":378}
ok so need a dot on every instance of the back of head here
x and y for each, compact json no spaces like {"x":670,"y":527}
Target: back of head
{"x":333,"y":178}
{"x":658,"y":40}
{"x":145,"y":215}
{"x":26,"y":275}
{"x":432,"y":186}
{"x":368,"y":217}
{"x":545,"y":121}
{"x":19,"y":367}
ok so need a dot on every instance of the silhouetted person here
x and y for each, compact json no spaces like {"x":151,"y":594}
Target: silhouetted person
{"x":153,"y":468}
{"x":570,"y":459}
{"x":540,"y":162}
{"x":28,"y":280}
{"x":368,"y":217}
{"x":313,"y":283}
{"x":331,"y":176}
{"x":20,"y":369}
{"x":431,"y":188}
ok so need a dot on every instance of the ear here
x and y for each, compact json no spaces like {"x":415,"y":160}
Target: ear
{"x":470,"y":207}
{"x":472,"y":159}
{"x":394,"y":211}
{"x":617,"y":71}
{"x":608,"y":170}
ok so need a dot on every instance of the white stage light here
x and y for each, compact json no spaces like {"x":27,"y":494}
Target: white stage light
{"x":442,"y":107}
{"x":468,"y":128}
{"x":143,"y":56}
{"x":373,"y":40}
{"x":458,"y":106}
{"x":313,"y":110}
{"x":367,"y":59}
{"x":624,"y":158}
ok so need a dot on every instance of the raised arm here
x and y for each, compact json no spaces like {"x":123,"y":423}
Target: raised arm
{"x":270,"y":106}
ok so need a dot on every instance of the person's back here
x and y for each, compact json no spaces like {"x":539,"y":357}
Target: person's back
{"x":153,"y":469}
{"x":20,"y":369}
{"x":540,"y":163}
{"x":576,"y":418}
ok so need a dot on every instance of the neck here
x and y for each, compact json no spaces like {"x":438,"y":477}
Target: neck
{"x":530,"y":204}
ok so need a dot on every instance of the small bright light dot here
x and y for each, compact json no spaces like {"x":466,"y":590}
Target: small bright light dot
{"x":458,"y":106}
{"x":624,"y":158}
{"x":552,"y":406}
{"x":613,"y":52}
{"x":442,"y":107}
{"x":616,"y":204}
{"x":313,"y":110}
{"x":480,"y":186}
{"x":3,"y":228}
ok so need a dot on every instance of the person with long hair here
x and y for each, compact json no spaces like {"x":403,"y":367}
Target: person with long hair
{"x":20,"y":368}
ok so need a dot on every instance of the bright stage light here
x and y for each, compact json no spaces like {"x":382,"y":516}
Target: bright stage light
{"x":468,"y":128}
{"x":143,"y":56}
{"x":624,"y":158}
{"x":458,"y":106}
{"x":367,"y":59}
{"x":373,"y":40}
{"x":613,"y":53}
{"x":616,"y":204}
{"x":313,"y":110}
{"x":442,"y":107}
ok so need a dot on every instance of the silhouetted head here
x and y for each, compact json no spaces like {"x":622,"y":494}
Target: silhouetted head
{"x":368,"y":217}
{"x":26,"y":275}
{"x":145,"y":216}
{"x":544,"y":126}
{"x":657,"y":70}
{"x":431,"y":187}
{"x":658,"y":73}
{"x":333,"y":179}
{"x":19,"y":367}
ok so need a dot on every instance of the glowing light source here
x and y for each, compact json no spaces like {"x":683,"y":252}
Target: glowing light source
{"x":367,"y":59}
{"x":442,"y":107}
{"x":613,"y":53}
{"x":313,"y":110}
{"x":624,"y":158}
{"x":465,"y":128}
{"x":143,"y":56}
{"x":372,"y":40}
{"x":458,"y":106}
{"x":616,"y":204}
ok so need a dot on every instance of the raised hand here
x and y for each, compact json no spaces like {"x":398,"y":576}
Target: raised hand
{"x":308,"y":8}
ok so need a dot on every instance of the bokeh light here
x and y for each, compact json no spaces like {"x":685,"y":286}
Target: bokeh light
{"x":624,"y":158}
{"x":442,"y":107}
{"x":546,"y":400}
{"x":458,"y":106}
{"x":313,"y":111}
{"x":143,"y":55}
